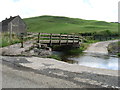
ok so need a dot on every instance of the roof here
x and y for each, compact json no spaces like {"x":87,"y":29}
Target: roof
{"x":6,"y":21}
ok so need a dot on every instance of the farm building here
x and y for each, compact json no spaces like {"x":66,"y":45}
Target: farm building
{"x":13,"y":25}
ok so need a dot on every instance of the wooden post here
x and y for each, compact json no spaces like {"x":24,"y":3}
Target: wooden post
{"x":60,"y":39}
{"x":67,"y":39}
{"x":22,"y":41}
{"x":50,"y":39}
{"x":38,"y":37}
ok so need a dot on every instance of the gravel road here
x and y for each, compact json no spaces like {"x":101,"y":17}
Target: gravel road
{"x":99,"y":47}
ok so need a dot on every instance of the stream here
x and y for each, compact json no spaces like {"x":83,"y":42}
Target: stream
{"x":91,"y":60}
{"x":95,"y":56}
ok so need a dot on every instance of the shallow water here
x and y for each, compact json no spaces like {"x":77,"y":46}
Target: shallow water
{"x":105,"y":62}
{"x":92,"y":60}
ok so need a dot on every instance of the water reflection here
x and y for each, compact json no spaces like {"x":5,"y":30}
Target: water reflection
{"x":65,"y":57}
{"x":105,"y":62}
{"x":92,"y":60}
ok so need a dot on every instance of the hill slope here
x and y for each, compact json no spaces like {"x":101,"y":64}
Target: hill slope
{"x":57,"y":24}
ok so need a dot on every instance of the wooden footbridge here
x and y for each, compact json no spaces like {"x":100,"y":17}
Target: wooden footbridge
{"x":57,"y":39}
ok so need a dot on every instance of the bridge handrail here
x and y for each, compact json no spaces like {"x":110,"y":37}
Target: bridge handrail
{"x":52,"y":37}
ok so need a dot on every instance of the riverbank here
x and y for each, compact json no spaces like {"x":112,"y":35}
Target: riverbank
{"x":114,"y":48}
{"x":31,"y":48}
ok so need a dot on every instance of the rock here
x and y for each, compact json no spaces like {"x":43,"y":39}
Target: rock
{"x":48,"y":48}
{"x":31,"y":48}
{"x":45,"y":53}
{"x":31,"y":51}
{"x":42,"y":52}
{"x":13,"y":51}
{"x":43,"y":46}
{"x":37,"y":45}
{"x":36,"y":50}
{"x":113,"y":48}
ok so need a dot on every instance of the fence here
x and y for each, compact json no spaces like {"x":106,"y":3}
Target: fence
{"x":54,"y":39}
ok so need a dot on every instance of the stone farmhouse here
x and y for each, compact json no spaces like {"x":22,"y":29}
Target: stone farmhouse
{"x":13,"y":25}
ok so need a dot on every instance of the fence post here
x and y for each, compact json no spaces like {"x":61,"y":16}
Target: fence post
{"x":51,"y":39}
{"x":67,"y":39}
{"x":38,"y":37}
{"x":22,"y":41}
{"x":60,"y":39}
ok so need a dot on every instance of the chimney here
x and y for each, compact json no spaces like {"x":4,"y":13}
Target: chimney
{"x":5,"y":18}
{"x":10,"y":16}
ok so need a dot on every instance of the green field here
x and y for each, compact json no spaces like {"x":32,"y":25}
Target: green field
{"x":58,"y":24}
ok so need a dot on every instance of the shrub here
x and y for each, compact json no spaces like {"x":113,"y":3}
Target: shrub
{"x":118,"y":54}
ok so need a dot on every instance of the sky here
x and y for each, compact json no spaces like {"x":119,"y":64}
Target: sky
{"x":103,"y":10}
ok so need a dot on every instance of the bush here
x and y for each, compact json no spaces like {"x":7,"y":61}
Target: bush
{"x":54,"y":57}
{"x":118,"y":54}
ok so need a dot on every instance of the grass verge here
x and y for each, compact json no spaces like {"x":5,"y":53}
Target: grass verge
{"x":6,"y":41}
{"x":57,"y":57}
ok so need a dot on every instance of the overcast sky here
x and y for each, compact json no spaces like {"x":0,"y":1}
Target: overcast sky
{"x":105,"y":10}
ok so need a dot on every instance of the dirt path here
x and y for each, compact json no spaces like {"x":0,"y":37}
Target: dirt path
{"x":99,"y":47}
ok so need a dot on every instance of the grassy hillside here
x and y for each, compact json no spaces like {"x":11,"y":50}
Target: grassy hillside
{"x":57,"y":24}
